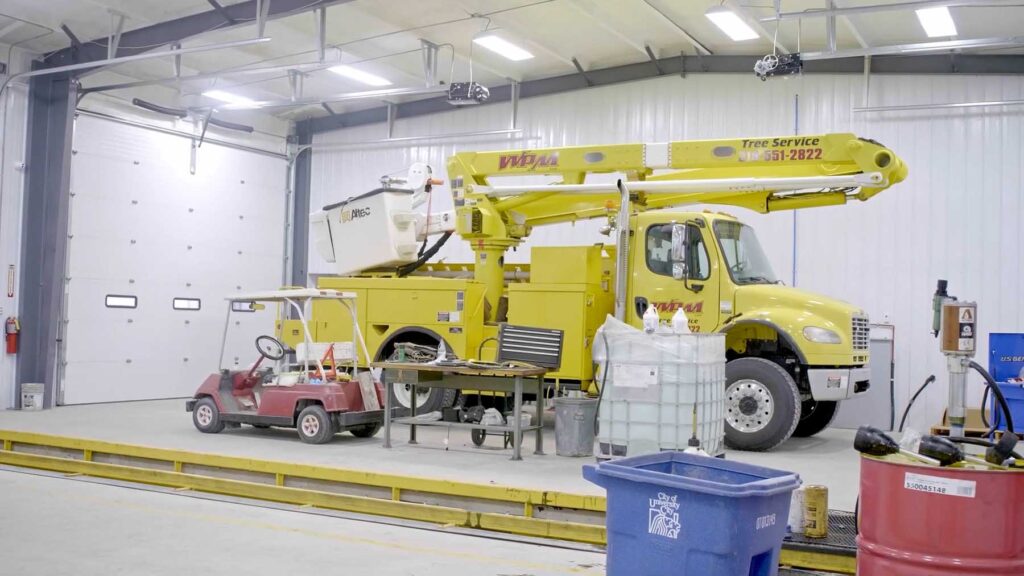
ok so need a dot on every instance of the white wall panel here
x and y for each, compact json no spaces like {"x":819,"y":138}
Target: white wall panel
{"x":13,"y":125}
{"x":664,"y":109}
{"x":142,"y":225}
{"x":957,"y":216}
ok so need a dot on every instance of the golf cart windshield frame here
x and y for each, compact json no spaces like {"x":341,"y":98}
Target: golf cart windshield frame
{"x":293,"y":298}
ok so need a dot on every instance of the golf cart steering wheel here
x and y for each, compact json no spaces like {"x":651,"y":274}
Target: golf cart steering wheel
{"x":269,"y":347}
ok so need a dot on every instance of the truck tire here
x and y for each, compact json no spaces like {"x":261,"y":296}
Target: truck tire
{"x":315,"y":425}
{"x":762,"y":404}
{"x":206,"y":416}
{"x":427,"y":399}
{"x":815,"y":416}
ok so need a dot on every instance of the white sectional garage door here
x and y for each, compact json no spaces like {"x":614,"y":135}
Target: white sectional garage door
{"x":153,"y":252}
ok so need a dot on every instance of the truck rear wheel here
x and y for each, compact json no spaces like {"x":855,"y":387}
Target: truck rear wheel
{"x":815,"y":416}
{"x":427,"y":399}
{"x":762,"y":404}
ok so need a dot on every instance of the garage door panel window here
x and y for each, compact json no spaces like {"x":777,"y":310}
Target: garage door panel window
{"x":186,"y":304}
{"x":121,"y":301}
{"x":243,"y":306}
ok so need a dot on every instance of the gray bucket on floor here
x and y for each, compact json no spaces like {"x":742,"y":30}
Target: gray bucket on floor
{"x":574,"y":426}
{"x":32,"y":396}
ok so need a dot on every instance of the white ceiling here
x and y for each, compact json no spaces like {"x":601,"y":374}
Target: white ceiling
{"x":383,"y":37}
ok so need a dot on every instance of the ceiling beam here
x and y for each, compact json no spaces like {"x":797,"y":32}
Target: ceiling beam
{"x":918,"y":48}
{"x":504,"y":22}
{"x":149,"y":37}
{"x":852,"y":27}
{"x":223,"y":13}
{"x":941,"y":64}
{"x":598,"y":16}
{"x":701,"y":48}
{"x":753,"y":23}
{"x":882,"y":8}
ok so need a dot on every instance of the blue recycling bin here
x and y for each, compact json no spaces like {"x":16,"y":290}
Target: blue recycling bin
{"x":676,"y":514}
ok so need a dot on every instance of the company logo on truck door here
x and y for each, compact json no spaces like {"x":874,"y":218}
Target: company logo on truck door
{"x":354,"y":214}
{"x":528,"y":160}
{"x":673,"y":305}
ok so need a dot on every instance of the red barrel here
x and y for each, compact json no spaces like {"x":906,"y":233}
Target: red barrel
{"x":918,"y":520}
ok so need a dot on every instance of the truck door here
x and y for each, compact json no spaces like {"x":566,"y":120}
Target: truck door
{"x":653,"y":283}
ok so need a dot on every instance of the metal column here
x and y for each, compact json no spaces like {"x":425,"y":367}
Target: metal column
{"x":51,"y":115}
{"x":303,"y":169}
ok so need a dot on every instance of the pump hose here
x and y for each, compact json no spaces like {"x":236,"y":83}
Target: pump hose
{"x":980,"y":442}
{"x":927,"y":381}
{"x":991,"y":385}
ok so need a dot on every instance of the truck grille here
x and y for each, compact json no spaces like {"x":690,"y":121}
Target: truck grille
{"x":861,"y":332}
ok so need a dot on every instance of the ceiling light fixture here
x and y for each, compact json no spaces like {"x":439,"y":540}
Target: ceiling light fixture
{"x":733,"y":26}
{"x":936,"y":22}
{"x":228,"y":97}
{"x":502,"y":47}
{"x":359,"y":75}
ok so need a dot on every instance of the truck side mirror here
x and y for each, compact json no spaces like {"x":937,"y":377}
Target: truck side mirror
{"x":680,"y":243}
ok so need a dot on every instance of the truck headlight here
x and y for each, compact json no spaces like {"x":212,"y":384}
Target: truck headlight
{"x":821,"y":335}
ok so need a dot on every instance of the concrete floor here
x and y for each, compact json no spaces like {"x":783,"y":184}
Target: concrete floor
{"x":827,"y":459}
{"x":55,"y":526}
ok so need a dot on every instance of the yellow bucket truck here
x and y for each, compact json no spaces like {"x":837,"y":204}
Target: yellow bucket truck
{"x":792,"y":355}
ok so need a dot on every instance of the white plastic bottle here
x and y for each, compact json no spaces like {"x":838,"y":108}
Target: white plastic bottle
{"x":680,"y":323}
{"x":650,"y":320}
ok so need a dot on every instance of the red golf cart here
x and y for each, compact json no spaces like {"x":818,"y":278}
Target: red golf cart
{"x":313,"y":389}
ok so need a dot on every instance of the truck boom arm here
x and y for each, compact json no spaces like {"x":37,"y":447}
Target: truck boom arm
{"x":762,"y":174}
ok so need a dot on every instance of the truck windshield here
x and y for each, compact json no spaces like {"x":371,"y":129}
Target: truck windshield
{"x":743,"y":254}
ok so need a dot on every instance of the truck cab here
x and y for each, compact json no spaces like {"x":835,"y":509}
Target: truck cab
{"x":789,"y":352}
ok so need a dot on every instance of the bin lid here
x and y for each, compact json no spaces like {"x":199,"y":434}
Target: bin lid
{"x":697,"y":473}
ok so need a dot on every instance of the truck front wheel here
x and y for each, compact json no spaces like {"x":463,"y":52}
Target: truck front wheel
{"x":762,"y":404}
{"x":815,"y":416}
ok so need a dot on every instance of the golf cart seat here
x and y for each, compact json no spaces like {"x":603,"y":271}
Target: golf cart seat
{"x":343,"y":352}
{"x":286,"y":379}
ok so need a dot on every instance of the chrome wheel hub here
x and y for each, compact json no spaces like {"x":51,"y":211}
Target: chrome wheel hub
{"x":310,"y":425}
{"x":403,"y":395}
{"x":204,"y":415}
{"x":748,"y":405}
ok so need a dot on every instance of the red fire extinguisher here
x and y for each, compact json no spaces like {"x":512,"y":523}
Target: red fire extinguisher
{"x":11,"y":328}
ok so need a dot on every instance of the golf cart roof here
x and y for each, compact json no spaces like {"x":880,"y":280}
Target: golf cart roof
{"x":296,"y":294}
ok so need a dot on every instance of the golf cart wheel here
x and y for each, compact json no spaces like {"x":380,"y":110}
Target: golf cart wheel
{"x":478,"y":435}
{"x":762,"y":404}
{"x":815,"y":416}
{"x":206,"y":416}
{"x":365,"y":431}
{"x":314,"y":425}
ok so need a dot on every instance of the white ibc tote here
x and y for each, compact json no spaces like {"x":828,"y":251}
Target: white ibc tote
{"x":653,"y":384}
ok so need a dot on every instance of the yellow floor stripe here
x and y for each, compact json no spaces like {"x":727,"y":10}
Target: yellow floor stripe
{"x":277,"y":489}
{"x":347,"y":538}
